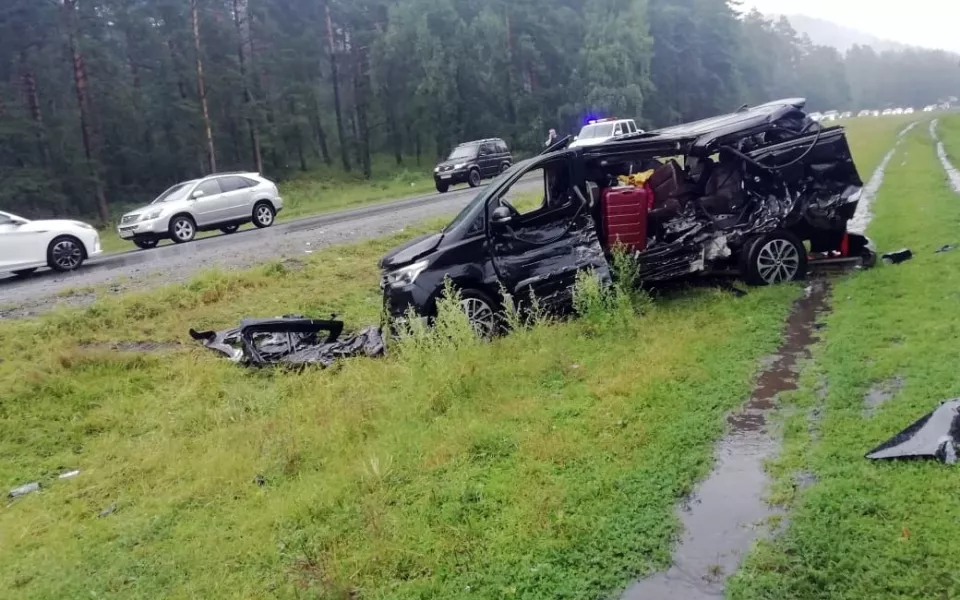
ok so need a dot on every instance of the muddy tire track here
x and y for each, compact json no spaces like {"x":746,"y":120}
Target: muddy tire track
{"x":727,"y":512}
{"x":952,"y":174}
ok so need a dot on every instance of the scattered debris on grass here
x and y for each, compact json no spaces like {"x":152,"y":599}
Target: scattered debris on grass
{"x":260,"y":480}
{"x":936,"y":435}
{"x":69,"y":474}
{"x":107,"y":511}
{"x":726,"y":513}
{"x":895,"y":258}
{"x":947,"y":248}
{"x":23,"y":490}
{"x":880,"y":393}
{"x":291,"y":340}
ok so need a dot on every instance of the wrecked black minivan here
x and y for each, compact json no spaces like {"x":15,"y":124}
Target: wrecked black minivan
{"x":743,"y":193}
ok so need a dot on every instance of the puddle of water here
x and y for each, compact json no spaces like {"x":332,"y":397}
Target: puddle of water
{"x":952,"y":174}
{"x":863,"y":216}
{"x":726,"y":512}
{"x":880,"y":393}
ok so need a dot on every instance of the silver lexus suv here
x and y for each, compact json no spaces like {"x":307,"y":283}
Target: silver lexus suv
{"x":223,"y":201}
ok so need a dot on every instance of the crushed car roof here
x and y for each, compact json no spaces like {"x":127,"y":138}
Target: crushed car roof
{"x":705,"y":133}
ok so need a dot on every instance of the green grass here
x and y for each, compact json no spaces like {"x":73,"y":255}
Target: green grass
{"x":325,"y":190}
{"x":948,"y":129}
{"x":546,"y":464}
{"x":869,"y":529}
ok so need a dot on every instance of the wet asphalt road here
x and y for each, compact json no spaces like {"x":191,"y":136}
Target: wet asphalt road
{"x":142,"y":269}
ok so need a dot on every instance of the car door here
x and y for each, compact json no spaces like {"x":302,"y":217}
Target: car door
{"x":487,"y":159}
{"x":548,"y":240}
{"x":238,"y":195}
{"x":209,"y":205}
{"x":20,"y":245}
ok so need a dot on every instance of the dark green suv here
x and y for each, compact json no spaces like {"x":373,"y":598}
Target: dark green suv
{"x":472,"y":162}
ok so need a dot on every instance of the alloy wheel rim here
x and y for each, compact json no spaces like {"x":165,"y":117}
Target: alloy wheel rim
{"x":778,"y":261}
{"x":475,"y":178}
{"x":480,"y":315}
{"x":67,"y":255}
{"x":264,"y":215}
{"x":183,"y":229}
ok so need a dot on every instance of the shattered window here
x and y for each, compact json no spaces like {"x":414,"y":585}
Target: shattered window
{"x":554,"y":193}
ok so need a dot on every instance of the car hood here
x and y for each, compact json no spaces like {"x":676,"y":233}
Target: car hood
{"x":52,"y":225}
{"x":411,"y":251}
{"x":165,"y":207}
{"x":452,"y":163}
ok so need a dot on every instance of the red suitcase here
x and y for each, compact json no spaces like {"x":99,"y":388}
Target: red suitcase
{"x":624,"y":212}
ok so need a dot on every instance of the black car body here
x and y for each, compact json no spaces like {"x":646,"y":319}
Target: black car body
{"x":796,"y":183}
{"x":472,"y":162}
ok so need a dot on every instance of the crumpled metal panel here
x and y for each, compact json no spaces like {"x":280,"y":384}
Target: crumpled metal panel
{"x":291,"y":340}
{"x":936,"y":435}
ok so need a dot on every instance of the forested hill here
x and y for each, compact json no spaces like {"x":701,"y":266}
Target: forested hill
{"x":106,"y":102}
{"x":826,"y":33}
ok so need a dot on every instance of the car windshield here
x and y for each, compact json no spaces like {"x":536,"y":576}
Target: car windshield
{"x":463,"y":152}
{"x":175,"y":193}
{"x":598,"y":130}
{"x":5,"y":216}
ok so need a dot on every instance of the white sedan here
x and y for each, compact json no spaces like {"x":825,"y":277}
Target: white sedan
{"x":25,"y":245}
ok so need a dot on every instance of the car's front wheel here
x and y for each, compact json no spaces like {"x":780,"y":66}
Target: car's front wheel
{"x":146,"y":244}
{"x":442,"y":188}
{"x":182,"y":229}
{"x":65,"y":253}
{"x":263,"y":215}
{"x":481,"y":311}
{"x":474,"y":178}
{"x":778,"y":257}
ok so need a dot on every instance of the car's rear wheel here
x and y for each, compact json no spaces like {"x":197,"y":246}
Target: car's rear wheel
{"x":146,"y":244}
{"x":25,"y":272}
{"x":65,"y":253}
{"x":481,"y":311}
{"x":474,"y":178}
{"x":443,"y":187}
{"x":230,"y":229}
{"x":778,"y":257}
{"x":182,"y":229}
{"x":263,"y":214}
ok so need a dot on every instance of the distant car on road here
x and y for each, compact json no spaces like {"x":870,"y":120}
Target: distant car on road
{"x":846,"y":115}
{"x":875,"y":113}
{"x":930,"y":108}
{"x":223,"y":201}
{"x":471,"y":162}
{"x":26,"y":245}
{"x":831,"y":115}
{"x":898,"y":111}
{"x":604,"y":130}
{"x":908,"y":111}
{"x":887,"y":112}
{"x":816,"y":116}
{"x":864,"y":113}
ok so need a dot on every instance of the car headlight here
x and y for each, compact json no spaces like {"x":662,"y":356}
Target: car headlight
{"x":405,"y":275}
{"x":87,"y":226}
{"x":458,"y":166}
{"x":150,"y":215}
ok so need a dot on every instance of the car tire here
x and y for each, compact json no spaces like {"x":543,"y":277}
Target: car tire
{"x":474,"y":178}
{"x":263,"y":215}
{"x":182,"y":229}
{"x":230,"y":229}
{"x":778,"y":257}
{"x":25,"y":272}
{"x":65,"y":253}
{"x":504,"y":167}
{"x":482,"y":311}
{"x":146,"y":244}
{"x":443,"y":187}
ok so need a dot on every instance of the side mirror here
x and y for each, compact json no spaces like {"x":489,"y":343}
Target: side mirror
{"x":197,"y":194}
{"x":501,"y":216}
{"x":576,"y":137}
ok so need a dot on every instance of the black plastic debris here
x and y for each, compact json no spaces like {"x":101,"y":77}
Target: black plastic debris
{"x":947,"y":248}
{"x":23,"y":490}
{"x":895,"y":258}
{"x":936,"y":435}
{"x":291,"y":340}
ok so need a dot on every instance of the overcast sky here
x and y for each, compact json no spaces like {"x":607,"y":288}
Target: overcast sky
{"x":927,"y":23}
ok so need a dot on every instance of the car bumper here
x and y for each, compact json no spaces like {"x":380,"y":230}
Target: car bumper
{"x":451,"y":177}
{"x":152,"y":228}
{"x":399,"y":303}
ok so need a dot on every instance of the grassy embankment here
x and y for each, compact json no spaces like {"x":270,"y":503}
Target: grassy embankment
{"x":324,"y":190}
{"x":545,"y":464}
{"x":867,"y":529}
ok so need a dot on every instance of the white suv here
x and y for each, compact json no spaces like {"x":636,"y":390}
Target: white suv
{"x":224,"y":201}
{"x":598,"y":132}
